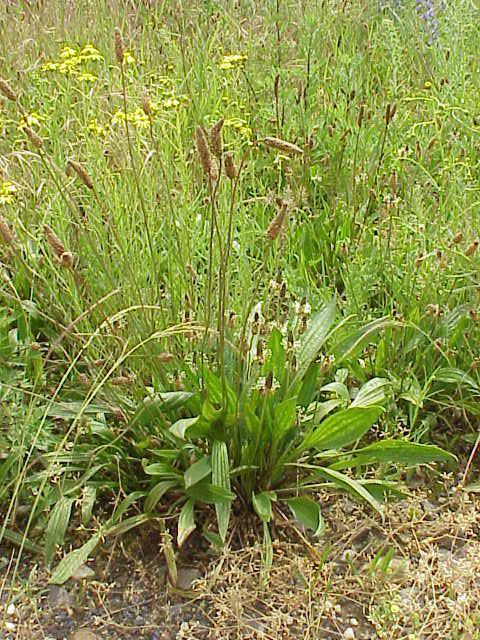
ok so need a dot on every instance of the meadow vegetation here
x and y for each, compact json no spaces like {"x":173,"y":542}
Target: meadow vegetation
{"x":239,"y":264}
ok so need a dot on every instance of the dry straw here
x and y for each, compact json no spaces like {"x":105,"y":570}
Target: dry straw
{"x":81,"y":172}
{"x":203,"y":150}
{"x":282,"y":145}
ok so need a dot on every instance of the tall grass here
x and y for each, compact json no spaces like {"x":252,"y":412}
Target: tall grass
{"x":205,"y":169}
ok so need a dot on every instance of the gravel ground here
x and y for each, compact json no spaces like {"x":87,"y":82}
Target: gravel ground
{"x":412,"y":576}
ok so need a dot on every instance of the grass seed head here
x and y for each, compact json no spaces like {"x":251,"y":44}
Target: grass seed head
{"x":275,"y":227}
{"x":282,"y":145}
{"x":119,"y":45}
{"x":33,"y":137}
{"x":230,"y":168}
{"x":54,"y":242}
{"x":7,"y":90}
{"x":203,"y":150}
{"x":6,"y":233}
{"x":80,"y":171}
{"x":470,"y":250}
{"x":457,"y":238}
{"x":146,"y":104}
{"x":216,"y":138}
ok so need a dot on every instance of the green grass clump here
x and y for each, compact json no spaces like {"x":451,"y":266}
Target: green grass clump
{"x":184,"y":190}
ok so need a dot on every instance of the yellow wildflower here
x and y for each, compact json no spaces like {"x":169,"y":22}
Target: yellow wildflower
{"x":86,"y":77}
{"x":128,"y":58}
{"x":232,"y":61}
{"x":96,"y":128}
{"x":67,"y":52}
{"x":137,"y":118}
{"x":89,"y":52}
{"x":8,"y":192}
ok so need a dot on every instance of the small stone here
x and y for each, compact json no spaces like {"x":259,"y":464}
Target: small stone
{"x":11,"y":609}
{"x":186,"y":577}
{"x":10,"y":626}
{"x":83,"y":572}
{"x":349,"y":634}
{"x":354,"y":622}
{"x":84,"y":634}
{"x":59,"y":598}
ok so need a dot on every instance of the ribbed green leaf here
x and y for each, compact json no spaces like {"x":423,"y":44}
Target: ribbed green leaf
{"x":342,"y":428}
{"x":314,"y":339}
{"x":88,"y":502}
{"x":57,"y":527}
{"x":180,"y":428}
{"x":262,"y":503}
{"x":307,"y":513}
{"x":221,"y":479}
{"x":157,"y":492}
{"x":371,"y":393}
{"x":352,"y":486}
{"x":400,"y":451}
{"x":198,"y":471}
{"x":72,"y":561}
{"x":186,"y":522}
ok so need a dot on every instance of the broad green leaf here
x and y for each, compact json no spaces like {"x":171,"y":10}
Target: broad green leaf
{"x":262,"y":503}
{"x":70,"y":410}
{"x":267,"y":555}
{"x":126,"y":503}
{"x":209,"y":493}
{"x":157,"y":492}
{"x":314,"y":339}
{"x":450,"y":375}
{"x":180,"y":428}
{"x":342,"y":428}
{"x":357,"y":341}
{"x":126,"y":525}
{"x":400,"y":451}
{"x":349,"y":484}
{"x":309,"y":387}
{"x":338,"y":388}
{"x":160,"y":469}
{"x":221,"y":478}
{"x":307,"y":512}
{"x":57,"y":527}
{"x":18,"y":539}
{"x":153,"y":407}
{"x":72,"y":561}
{"x":198,"y":471}
{"x":186,"y":521}
{"x":284,"y":415}
{"x":88,"y":502}
{"x":371,"y":393}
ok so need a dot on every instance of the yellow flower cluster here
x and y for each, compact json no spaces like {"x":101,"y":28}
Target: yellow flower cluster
{"x":8,"y":192}
{"x":240,"y":126}
{"x":232,"y":61}
{"x":137,"y":118}
{"x":73,"y":62}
